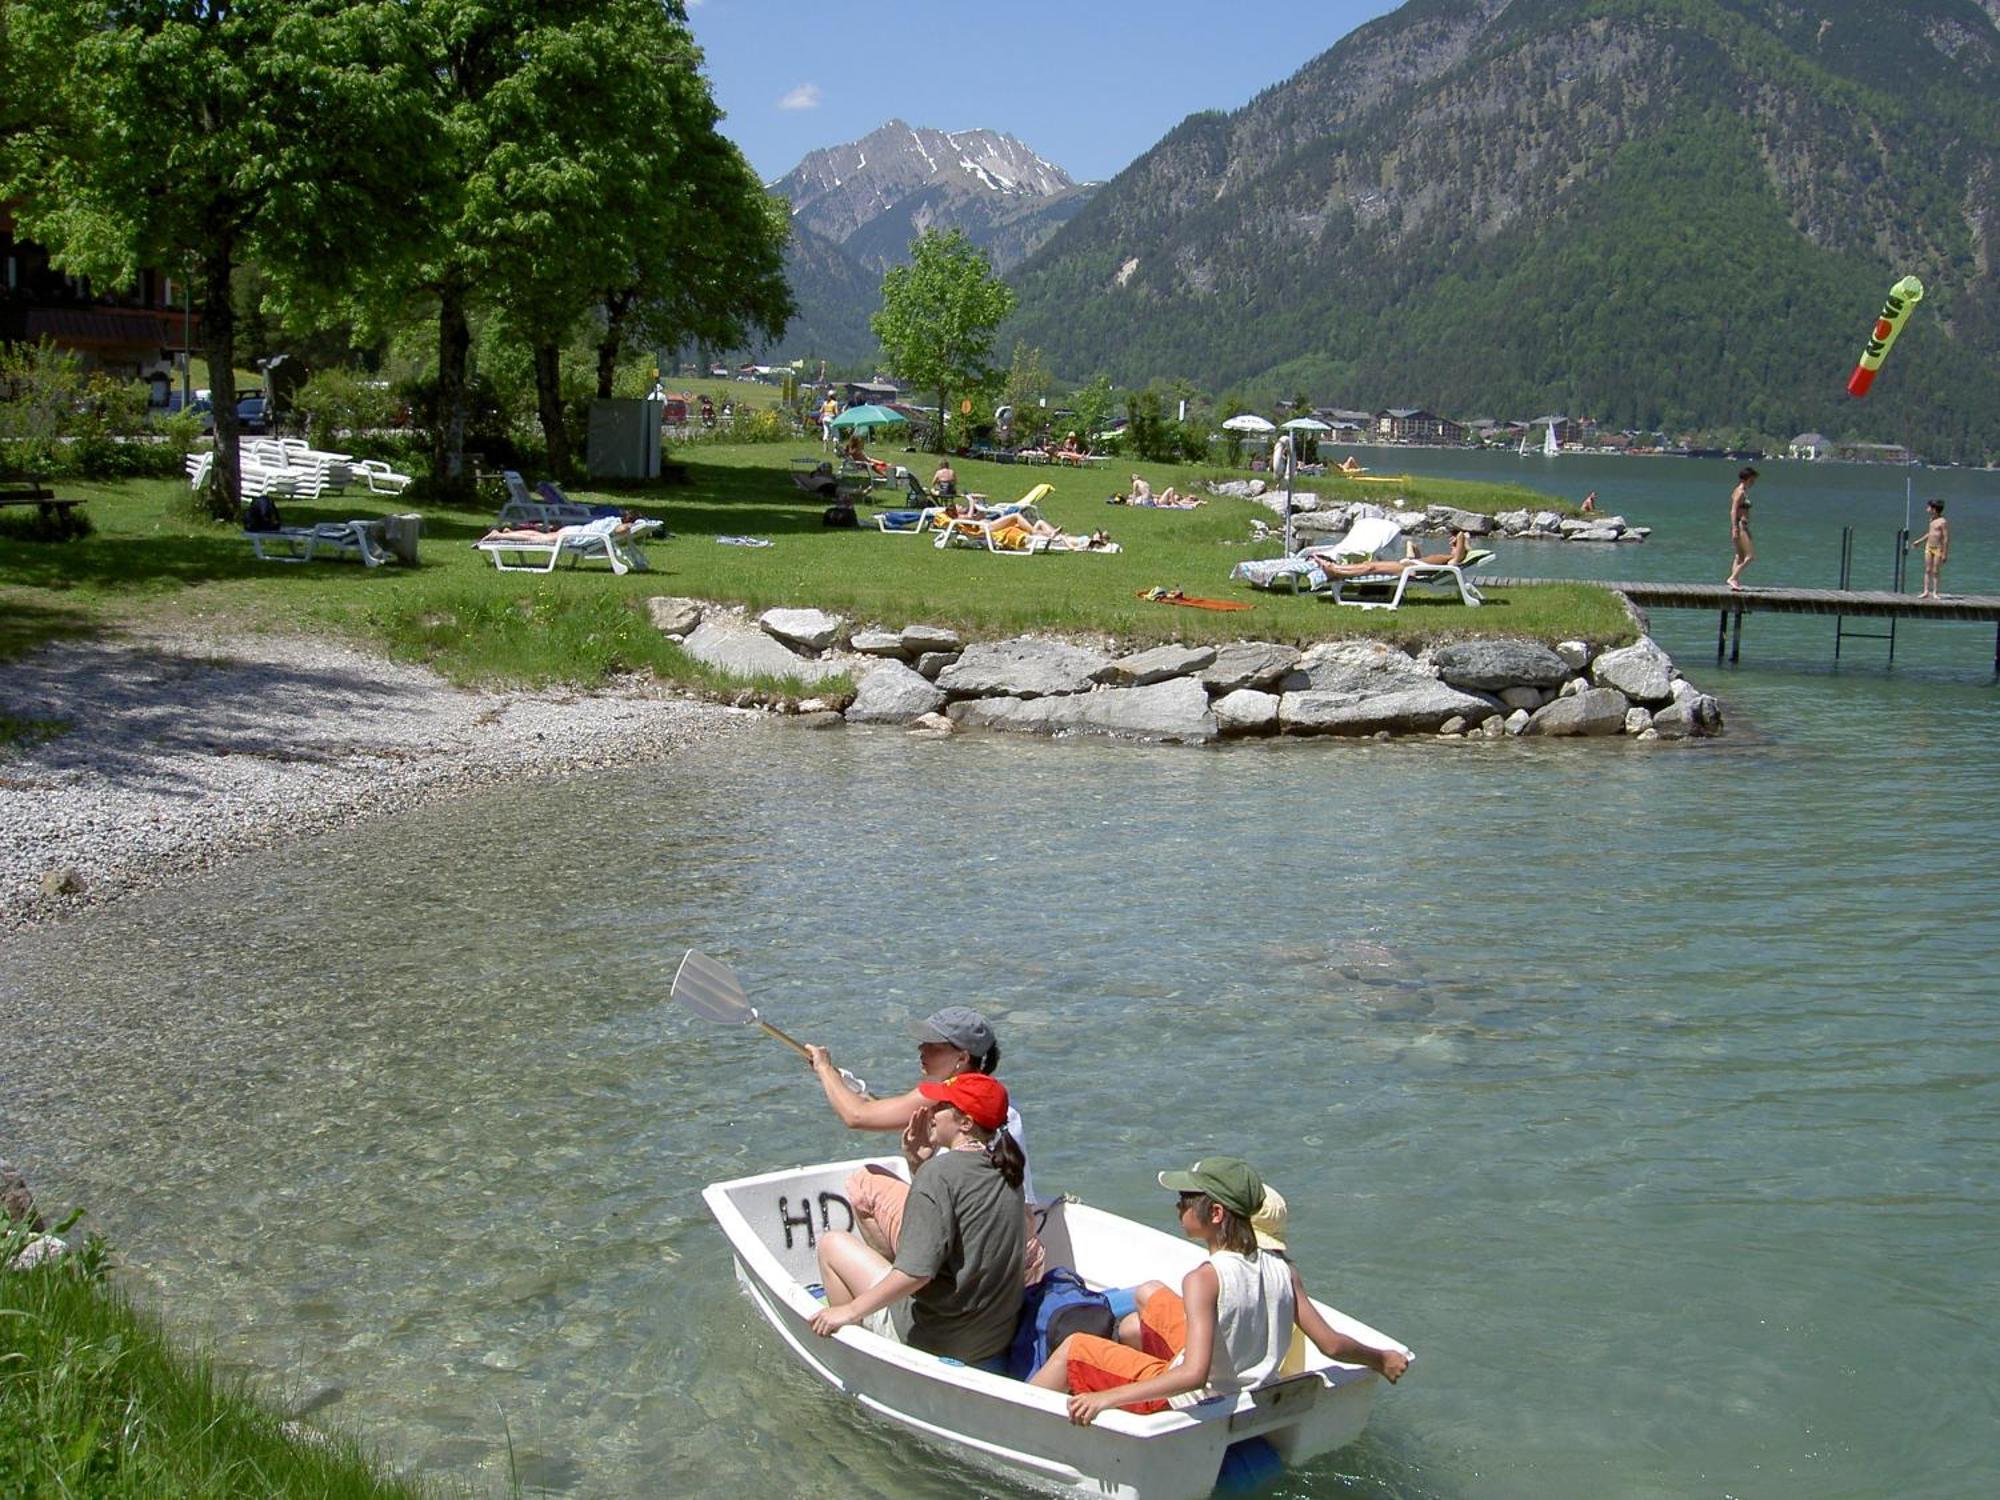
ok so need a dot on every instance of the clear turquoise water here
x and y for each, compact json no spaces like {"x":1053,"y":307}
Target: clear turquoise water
{"x":1653,"y":1097}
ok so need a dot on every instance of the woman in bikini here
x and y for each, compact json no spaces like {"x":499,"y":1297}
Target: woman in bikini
{"x":1739,"y":525}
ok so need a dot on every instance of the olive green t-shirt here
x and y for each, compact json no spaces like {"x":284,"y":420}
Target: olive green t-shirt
{"x":967,"y":1230}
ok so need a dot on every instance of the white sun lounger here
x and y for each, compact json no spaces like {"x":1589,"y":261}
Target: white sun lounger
{"x":1442,"y":576}
{"x":301,"y":544}
{"x":607,"y":537}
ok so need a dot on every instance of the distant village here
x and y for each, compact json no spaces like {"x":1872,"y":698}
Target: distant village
{"x":1415,"y":427}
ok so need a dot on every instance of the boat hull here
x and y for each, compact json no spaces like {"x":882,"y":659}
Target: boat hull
{"x":774,"y":1220}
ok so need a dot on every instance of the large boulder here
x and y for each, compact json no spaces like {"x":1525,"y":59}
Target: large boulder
{"x":1176,"y":710}
{"x":742,"y":652}
{"x":1023,"y":668}
{"x":931,"y":663}
{"x":1593,"y":711}
{"x":1512,"y":521}
{"x":672,"y":616}
{"x":1642,"y":671}
{"x":807,"y":629}
{"x":917,"y":639}
{"x":1423,"y":705}
{"x":1248,"y":664}
{"x":1246,"y":711}
{"x":1160,"y":664}
{"x":1466,"y":520}
{"x":1353,"y":667}
{"x":1684,"y":718}
{"x":894,"y":694}
{"x":878,"y":643}
{"x":1488,"y":665}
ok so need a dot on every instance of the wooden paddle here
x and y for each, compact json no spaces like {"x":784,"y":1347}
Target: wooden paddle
{"x":709,"y":988}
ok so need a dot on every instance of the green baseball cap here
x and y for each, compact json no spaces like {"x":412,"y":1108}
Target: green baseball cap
{"x":1229,"y":1180}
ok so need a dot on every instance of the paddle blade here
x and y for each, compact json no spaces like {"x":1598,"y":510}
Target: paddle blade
{"x":708,"y":987}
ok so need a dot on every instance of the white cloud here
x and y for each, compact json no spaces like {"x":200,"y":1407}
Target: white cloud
{"x":805,"y":96}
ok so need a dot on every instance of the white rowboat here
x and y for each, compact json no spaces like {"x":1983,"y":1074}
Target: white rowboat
{"x":772,"y":1223}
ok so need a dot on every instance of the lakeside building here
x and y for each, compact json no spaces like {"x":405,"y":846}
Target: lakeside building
{"x":1412,"y":424}
{"x":136,"y":334}
{"x":1810,"y":445}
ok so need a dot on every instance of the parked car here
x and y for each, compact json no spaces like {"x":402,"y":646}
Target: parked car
{"x":200,"y":405}
{"x":253,"y":413}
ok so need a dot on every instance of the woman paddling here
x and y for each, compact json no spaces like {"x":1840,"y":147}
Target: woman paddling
{"x":951,"y":1041}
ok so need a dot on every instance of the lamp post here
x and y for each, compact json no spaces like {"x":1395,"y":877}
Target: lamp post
{"x":187,"y":336}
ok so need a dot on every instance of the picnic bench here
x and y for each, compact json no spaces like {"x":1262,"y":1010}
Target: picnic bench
{"x":21,"y":489}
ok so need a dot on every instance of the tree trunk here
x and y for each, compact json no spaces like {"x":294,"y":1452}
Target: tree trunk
{"x":218,"y":330}
{"x":448,"y":474}
{"x":548,"y":403}
{"x":617,"y":306}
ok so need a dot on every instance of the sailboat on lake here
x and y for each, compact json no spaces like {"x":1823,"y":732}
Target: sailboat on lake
{"x":1550,"y":447}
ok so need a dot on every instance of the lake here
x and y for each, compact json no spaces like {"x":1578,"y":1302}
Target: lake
{"x":1651,"y":1093}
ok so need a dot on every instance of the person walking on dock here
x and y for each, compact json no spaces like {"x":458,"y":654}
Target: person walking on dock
{"x":1936,"y":542}
{"x":1739,"y":524}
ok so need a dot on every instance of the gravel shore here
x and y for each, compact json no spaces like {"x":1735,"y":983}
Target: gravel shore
{"x":180,"y":751}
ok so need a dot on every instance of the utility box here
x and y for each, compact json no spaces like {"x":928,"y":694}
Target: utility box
{"x":624,"y":439}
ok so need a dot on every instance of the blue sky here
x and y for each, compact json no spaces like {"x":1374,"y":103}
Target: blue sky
{"x":1089,"y":85}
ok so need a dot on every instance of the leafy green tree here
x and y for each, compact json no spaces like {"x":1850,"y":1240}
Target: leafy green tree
{"x":225,"y":131}
{"x":938,"y":316}
{"x":1029,"y":382}
{"x":1093,"y":405}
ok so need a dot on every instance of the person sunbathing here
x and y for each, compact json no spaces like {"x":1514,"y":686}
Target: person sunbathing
{"x":1377,"y":567}
{"x":1350,"y":468}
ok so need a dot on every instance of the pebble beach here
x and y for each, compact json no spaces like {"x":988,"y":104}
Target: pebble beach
{"x":178,"y":751}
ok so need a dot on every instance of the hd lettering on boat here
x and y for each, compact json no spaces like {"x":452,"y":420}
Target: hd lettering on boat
{"x":804,"y":1218}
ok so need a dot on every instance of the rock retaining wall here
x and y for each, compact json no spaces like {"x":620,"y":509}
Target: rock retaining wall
{"x":1317,"y":521}
{"x":923,"y":676}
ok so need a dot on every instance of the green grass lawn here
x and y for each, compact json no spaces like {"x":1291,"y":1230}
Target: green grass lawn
{"x":151,"y":559}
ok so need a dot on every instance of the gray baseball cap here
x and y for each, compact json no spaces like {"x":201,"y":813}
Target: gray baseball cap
{"x":957,"y":1026}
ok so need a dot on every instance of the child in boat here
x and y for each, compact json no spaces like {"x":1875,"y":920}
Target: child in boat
{"x":951,"y":1041}
{"x":1227,"y":1329}
{"x":964,"y":1240}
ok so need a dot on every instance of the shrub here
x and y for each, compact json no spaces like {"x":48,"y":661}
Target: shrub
{"x":59,"y":420}
{"x":338,"y":401}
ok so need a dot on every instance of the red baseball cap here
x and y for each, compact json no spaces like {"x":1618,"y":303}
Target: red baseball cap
{"x":980,"y":1099}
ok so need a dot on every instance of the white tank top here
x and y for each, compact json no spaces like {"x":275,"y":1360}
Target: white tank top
{"x":1253,"y":1324}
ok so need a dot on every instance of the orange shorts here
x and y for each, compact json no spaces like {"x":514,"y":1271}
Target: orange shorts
{"x":1097,"y":1364}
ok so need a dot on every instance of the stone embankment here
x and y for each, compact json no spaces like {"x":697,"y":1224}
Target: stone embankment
{"x":1315,"y":520}
{"x":924,"y":677}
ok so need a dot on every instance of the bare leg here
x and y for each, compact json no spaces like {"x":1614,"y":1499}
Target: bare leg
{"x":1130,"y":1331}
{"x":1054,"y":1376}
{"x":847,"y":1267}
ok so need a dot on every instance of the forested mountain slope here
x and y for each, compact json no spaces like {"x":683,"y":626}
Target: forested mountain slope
{"x":1663,"y":213}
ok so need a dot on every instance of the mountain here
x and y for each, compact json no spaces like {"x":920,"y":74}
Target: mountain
{"x":873,"y":196}
{"x":856,"y":207}
{"x":1676,"y":214}
{"x":835,"y":297}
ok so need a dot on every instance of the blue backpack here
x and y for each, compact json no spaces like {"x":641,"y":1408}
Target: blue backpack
{"x":1051,"y":1310}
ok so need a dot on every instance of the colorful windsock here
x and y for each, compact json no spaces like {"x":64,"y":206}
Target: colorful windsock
{"x":1903,"y":296}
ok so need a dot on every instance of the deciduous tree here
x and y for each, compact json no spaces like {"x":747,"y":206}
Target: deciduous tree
{"x":938,"y":316}
{"x":219,"y":131}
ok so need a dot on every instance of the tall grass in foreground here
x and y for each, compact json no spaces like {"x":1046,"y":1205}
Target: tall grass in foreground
{"x":94,"y":1401}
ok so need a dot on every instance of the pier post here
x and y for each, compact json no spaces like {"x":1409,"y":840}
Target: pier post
{"x":1736,"y":641}
{"x":1722,"y":635}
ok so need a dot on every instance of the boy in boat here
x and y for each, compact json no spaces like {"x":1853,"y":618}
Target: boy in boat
{"x":1228,"y":1328}
{"x":964,"y":1240}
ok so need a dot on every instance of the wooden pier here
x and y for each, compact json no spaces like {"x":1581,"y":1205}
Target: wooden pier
{"x":1732,"y":605}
